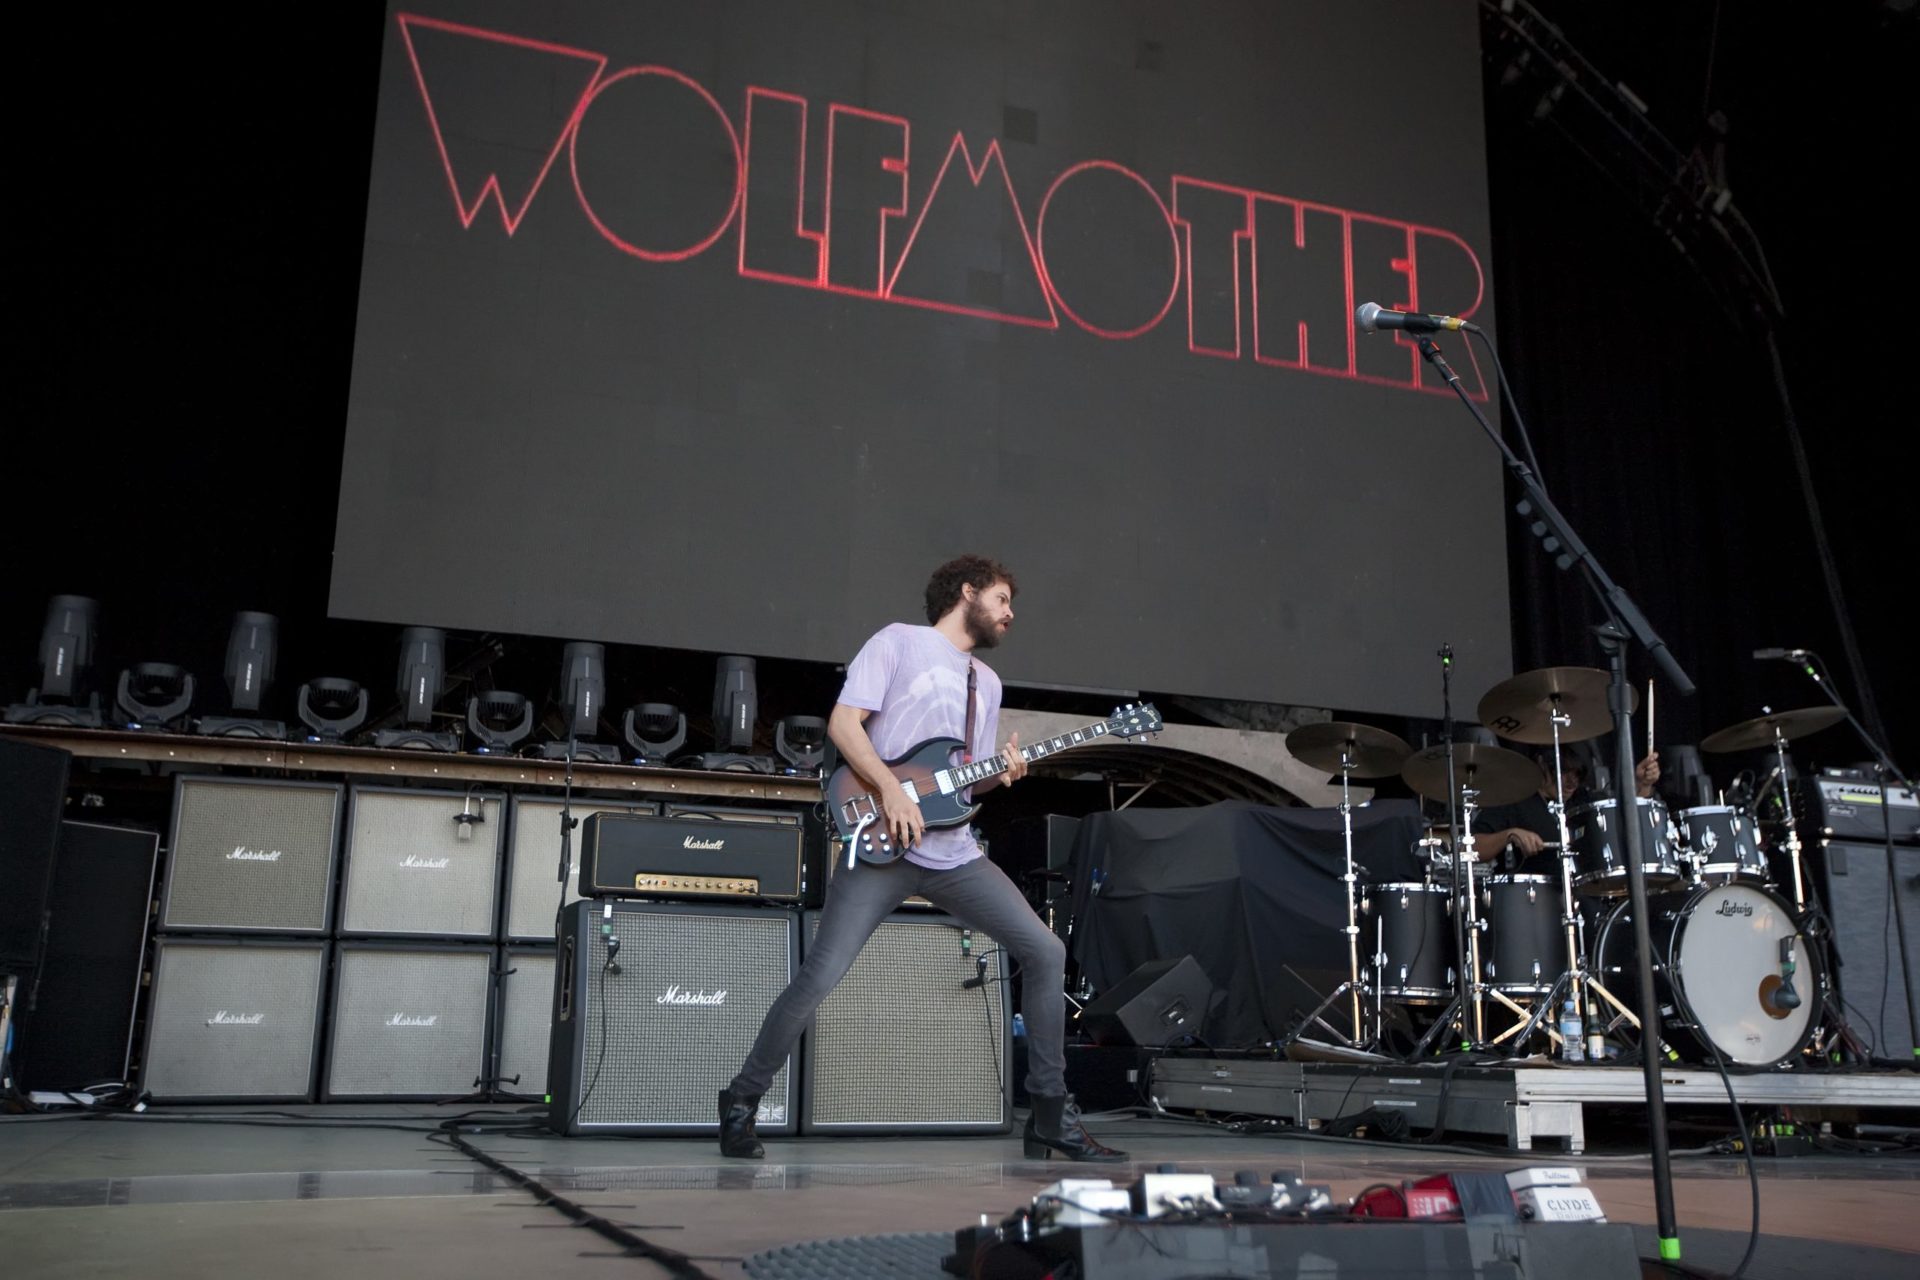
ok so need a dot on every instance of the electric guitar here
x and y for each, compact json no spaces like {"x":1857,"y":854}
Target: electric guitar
{"x":931,"y":780}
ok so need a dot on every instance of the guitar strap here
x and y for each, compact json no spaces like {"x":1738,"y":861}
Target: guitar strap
{"x":966,"y":755}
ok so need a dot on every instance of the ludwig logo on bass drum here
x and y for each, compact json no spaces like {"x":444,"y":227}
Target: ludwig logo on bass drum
{"x":1728,"y":907}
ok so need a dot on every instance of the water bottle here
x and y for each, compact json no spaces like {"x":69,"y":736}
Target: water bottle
{"x":1571,"y":1034}
{"x":1019,"y":1025}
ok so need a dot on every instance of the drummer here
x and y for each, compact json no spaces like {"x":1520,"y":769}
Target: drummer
{"x":1523,"y":830}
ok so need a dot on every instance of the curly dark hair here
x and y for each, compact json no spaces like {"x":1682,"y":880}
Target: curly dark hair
{"x":978,"y":572}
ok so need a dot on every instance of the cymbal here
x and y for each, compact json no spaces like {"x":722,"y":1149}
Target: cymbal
{"x":1520,"y":709}
{"x":1758,"y":732}
{"x":1499,"y":775}
{"x":1374,"y":753}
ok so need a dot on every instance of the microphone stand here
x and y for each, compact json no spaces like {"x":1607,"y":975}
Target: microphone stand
{"x":1885,"y":768}
{"x":1624,"y":622}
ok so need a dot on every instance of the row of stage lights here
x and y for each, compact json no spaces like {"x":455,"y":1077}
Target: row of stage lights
{"x":158,"y":696}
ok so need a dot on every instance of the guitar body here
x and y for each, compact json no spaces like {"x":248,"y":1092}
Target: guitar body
{"x":928,"y":776}
{"x":848,"y":796}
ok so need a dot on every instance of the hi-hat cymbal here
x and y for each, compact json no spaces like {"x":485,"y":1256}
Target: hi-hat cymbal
{"x":1374,"y":753}
{"x":1758,"y":732}
{"x":1521,"y":709}
{"x":1499,"y":776}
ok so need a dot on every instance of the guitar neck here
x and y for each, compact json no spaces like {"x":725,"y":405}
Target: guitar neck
{"x":966,"y":775}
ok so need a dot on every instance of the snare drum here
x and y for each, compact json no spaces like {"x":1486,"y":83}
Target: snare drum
{"x":1724,"y":844}
{"x":1526,"y":950}
{"x":1600,"y":847}
{"x":1415,"y":929}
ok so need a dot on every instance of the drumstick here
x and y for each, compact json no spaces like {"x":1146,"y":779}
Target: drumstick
{"x":1649,"y":715}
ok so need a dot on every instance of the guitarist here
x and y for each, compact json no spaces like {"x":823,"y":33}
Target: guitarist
{"x":906,"y":685}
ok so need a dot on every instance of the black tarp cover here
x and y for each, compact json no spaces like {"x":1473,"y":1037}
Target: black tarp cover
{"x":1244,"y":889}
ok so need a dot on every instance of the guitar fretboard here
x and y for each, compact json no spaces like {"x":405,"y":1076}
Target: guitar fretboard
{"x":966,"y":775}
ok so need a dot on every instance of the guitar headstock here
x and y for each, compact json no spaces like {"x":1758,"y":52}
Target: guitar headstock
{"x":1133,"y":720}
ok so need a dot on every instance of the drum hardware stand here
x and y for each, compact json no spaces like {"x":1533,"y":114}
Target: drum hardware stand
{"x":1793,"y":825}
{"x":1353,"y":988}
{"x":1624,"y":620}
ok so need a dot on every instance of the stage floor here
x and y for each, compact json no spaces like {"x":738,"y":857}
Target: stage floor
{"x":206,"y":1191}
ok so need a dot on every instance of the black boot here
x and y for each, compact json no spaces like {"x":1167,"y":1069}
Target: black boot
{"x":736,"y":1127}
{"x":1054,"y":1125}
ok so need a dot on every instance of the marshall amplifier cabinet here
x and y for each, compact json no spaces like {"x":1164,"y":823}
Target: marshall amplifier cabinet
{"x":655,"y":1005}
{"x":706,"y":853}
{"x":251,"y":856}
{"x":1850,"y":806}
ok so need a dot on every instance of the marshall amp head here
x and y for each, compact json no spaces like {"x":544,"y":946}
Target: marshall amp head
{"x":757,"y":855}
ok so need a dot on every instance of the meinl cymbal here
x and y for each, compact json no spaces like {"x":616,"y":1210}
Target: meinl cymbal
{"x":1374,"y":753}
{"x":1758,"y":732}
{"x":1499,"y":775}
{"x":1521,"y":709}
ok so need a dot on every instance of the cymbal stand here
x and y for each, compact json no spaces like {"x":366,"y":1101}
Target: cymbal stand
{"x":1470,"y":996}
{"x":1793,"y":825}
{"x":1353,"y":988}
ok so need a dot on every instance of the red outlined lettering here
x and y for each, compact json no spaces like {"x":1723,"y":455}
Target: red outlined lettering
{"x":1305,"y":264}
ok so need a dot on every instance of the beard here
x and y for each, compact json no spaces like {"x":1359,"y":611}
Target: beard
{"x":981,"y":627}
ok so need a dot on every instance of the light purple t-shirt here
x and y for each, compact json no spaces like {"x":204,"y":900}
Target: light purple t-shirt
{"x":914,"y":681}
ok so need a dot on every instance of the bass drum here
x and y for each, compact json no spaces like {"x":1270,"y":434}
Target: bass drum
{"x":1719,"y":976}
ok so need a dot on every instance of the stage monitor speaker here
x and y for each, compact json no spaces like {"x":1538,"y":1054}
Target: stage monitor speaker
{"x":423,"y":864}
{"x":1155,"y":1005}
{"x":410,"y":1021}
{"x":902,"y":1045}
{"x":533,"y":861}
{"x":76,"y":1027}
{"x":234,"y":1020}
{"x":1866,"y":939}
{"x":250,"y":855}
{"x":648,"y":1049}
{"x":523,"y":1022}
{"x":33,"y":792}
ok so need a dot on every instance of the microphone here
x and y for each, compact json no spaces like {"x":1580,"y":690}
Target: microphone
{"x":1371,"y":316}
{"x":1790,"y":655}
{"x":979,"y":978}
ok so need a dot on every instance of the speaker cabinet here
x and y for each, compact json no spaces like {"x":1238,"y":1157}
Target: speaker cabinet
{"x":249,"y":855}
{"x":534,"y":893}
{"x":410,"y":1021}
{"x":648,"y":1049}
{"x":33,"y":793}
{"x":1156,"y":1004}
{"x":524,"y":1021}
{"x":422,"y":864}
{"x":77,"y":1028}
{"x":1866,"y":938}
{"x":234,"y":1020}
{"x":901,"y":1046}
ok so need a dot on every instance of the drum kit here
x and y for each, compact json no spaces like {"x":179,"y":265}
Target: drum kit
{"x":1734,"y":966}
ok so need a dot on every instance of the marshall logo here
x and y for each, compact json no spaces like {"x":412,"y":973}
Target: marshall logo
{"x":225,"y":1019}
{"x":412,"y":1020}
{"x":1732,"y":908}
{"x":243,"y":854}
{"x":425,"y":864}
{"x":674,"y":995}
{"x":695,"y":842}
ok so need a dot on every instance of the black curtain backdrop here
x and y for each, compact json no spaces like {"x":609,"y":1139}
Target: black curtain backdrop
{"x":188,"y":242}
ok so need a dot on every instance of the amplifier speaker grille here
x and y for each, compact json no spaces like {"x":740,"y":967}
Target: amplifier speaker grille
{"x":234,"y":1019}
{"x":676,"y":1021}
{"x":525,"y":1021}
{"x":408,"y":1022}
{"x":410,"y":872}
{"x":251,"y":856}
{"x":533,"y":893}
{"x":900,"y":1046}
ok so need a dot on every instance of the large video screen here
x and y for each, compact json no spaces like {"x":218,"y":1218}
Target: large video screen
{"x":718,"y":326}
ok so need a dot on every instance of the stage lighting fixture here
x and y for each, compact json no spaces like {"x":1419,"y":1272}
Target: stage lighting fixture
{"x":421,"y":680}
{"x":655,"y":730}
{"x":253,"y":647}
{"x":64,"y":694}
{"x":735,"y":704}
{"x":583,"y":691}
{"x":155,"y":696}
{"x":802,"y":742}
{"x":500,"y":721}
{"x":333,"y":707}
